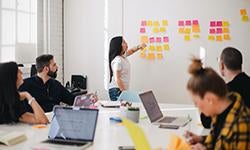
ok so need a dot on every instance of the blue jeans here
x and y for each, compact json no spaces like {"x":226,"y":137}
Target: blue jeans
{"x":114,"y":93}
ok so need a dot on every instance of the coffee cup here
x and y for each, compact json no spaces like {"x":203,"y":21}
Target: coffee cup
{"x":133,"y":113}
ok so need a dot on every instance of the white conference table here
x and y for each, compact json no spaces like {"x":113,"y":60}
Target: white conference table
{"x":110,"y":135}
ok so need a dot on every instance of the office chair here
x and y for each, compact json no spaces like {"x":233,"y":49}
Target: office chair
{"x":129,"y":96}
{"x":33,"y":70}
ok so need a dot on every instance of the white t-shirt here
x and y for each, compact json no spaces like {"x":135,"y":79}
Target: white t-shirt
{"x":122,"y":64}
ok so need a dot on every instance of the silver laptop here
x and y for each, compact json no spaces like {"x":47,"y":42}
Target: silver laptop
{"x":154,"y":113}
{"x":73,"y":127}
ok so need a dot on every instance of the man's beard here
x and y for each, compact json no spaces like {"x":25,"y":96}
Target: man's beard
{"x":52,"y":74}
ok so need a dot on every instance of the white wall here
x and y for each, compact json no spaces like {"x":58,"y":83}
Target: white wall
{"x":85,"y":45}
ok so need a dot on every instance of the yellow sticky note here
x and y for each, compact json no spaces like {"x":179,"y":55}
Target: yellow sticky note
{"x":149,"y":23}
{"x":195,"y":28}
{"x":142,"y":55}
{"x":162,"y":29}
{"x":245,"y":18}
{"x":144,"y":39}
{"x":166,"y":47}
{"x":211,"y":38}
{"x":164,"y":22}
{"x":137,"y":135}
{"x":151,"y":56}
{"x":187,"y":37}
{"x":227,"y":37}
{"x":159,"y":56}
{"x":181,"y":30}
{"x":243,"y":12}
{"x":151,"y":47}
{"x":159,"y":48}
{"x":219,"y":38}
{"x":155,"y":30}
{"x":156,"y":23}
{"x":176,"y":143}
{"x":196,"y":36}
{"x":225,"y":30}
{"x":187,"y":30}
{"x":225,"y":23}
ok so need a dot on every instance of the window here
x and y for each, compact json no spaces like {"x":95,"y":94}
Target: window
{"x":18,"y":25}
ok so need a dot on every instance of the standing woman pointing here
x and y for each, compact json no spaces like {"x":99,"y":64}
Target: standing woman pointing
{"x":119,"y":66}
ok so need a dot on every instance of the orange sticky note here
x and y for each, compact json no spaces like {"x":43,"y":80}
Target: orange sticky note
{"x":196,"y":36}
{"x":245,"y":18}
{"x":149,"y":23}
{"x":219,"y":38}
{"x":187,"y":30}
{"x":176,"y":143}
{"x":151,"y":56}
{"x":195,"y":28}
{"x":155,"y":30}
{"x":144,"y":39}
{"x":225,"y":23}
{"x":163,"y":29}
{"x":243,"y":12}
{"x":225,"y":30}
{"x":159,"y":56}
{"x":159,"y":48}
{"x":142,"y":55}
{"x":156,"y":24}
{"x":164,"y":22}
{"x":181,"y":30}
{"x":227,"y":37}
{"x":187,"y":37}
{"x":151,"y":47}
{"x":166,"y":47}
{"x":39,"y":126}
{"x":211,"y":38}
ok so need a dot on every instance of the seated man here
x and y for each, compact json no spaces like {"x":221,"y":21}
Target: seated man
{"x":231,"y":68}
{"x":43,"y":86}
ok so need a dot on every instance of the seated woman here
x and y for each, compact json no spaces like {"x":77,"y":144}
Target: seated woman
{"x":11,"y":109}
{"x":230,"y":118}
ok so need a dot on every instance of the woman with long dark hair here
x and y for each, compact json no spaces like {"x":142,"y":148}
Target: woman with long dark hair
{"x":11,"y":108}
{"x":119,"y":66}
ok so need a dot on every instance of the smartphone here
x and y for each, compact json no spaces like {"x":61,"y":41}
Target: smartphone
{"x":126,"y":148}
{"x":167,"y":126}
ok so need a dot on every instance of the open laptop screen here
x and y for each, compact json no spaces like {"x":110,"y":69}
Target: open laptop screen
{"x":70,"y":124}
{"x":151,"y":106}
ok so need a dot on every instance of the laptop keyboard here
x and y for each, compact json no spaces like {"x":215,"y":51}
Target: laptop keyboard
{"x":65,"y":142}
{"x":167,"y":119}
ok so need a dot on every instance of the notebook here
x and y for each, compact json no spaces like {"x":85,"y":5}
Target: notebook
{"x":73,"y":126}
{"x":154,"y":113}
{"x":12,"y":138}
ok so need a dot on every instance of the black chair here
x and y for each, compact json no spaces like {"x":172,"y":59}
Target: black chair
{"x":79,"y":81}
{"x":33,"y":70}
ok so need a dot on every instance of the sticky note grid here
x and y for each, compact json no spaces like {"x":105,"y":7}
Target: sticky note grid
{"x":154,"y":34}
{"x":219,"y":31}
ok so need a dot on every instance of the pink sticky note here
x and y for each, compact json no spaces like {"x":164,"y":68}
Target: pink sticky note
{"x":212,"y":23}
{"x":195,"y":22}
{"x":142,"y":30}
{"x":152,"y":40}
{"x":212,"y":31}
{"x":181,"y":23}
{"x":165,"y":39}
{"x":143,"y":23}
{"x":219,"y":23}
{"x":219,"y":30}
{"x":188,"y":23}
{"x":158,"y":39}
